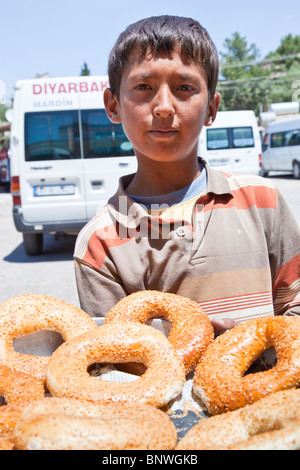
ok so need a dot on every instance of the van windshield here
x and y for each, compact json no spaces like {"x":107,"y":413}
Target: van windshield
{"x":62,"y":135}
{"x":52,"y":135}
{"x":229,"y":138}
{"x":102,"y":138}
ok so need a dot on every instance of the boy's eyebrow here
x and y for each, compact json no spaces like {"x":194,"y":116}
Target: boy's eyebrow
{"x":145,"y":76}
{"x":140,"y":76}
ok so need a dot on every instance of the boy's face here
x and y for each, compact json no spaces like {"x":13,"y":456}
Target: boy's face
{"x":163,"y":105}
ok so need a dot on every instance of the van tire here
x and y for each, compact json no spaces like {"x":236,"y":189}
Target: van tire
{"x":296,"y":170}
{"x":264,"y":173}
{"x":33,"y":243}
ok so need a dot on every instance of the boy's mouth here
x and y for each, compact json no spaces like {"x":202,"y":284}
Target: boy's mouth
{"x":163,"y":132}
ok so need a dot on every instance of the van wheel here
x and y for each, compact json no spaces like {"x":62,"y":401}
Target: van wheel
{"x":33,"y":243}
{"x":296,"y":170}
{"x":263,"y":172}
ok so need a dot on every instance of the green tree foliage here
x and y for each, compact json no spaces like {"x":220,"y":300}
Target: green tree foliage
{"x":85,"y":70}
{"x":248,"y":82}
{"x":3,"y":109}
{"x":284,"y":66}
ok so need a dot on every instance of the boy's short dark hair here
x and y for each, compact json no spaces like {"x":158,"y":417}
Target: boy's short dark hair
{"x":163,"y":34}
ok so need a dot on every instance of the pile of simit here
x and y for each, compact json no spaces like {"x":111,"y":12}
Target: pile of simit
{"x":55,"y":404}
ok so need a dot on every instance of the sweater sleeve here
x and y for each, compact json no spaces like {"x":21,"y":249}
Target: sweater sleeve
{"x":99,"y":286}
{"x":284,"y":253}
{"x":97,"y":292}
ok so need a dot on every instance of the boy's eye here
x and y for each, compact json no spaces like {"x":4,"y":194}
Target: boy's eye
{"x":142,"y":86}
{"x":186,"y":88}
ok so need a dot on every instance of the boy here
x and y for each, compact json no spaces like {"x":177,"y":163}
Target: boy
{"x":227,"y":242}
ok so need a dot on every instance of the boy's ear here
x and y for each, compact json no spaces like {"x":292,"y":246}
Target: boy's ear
{"x":212,"y":109}
{"x":111,"y":104}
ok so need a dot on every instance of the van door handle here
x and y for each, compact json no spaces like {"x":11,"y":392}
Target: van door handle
{"x":123,"y":164}
{"x":97,"y":184}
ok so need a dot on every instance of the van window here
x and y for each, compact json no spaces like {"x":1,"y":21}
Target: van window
{"x":217,"y":139}
{"x":102,"y":138}
{"x":57,"y":135}
{"x":285,"y":139}
{"x":277,"y":139}
{"x":229,"y":138}
{"x":293,"y":137}
{"x":51,"y":135}
{"x":242,"y":137}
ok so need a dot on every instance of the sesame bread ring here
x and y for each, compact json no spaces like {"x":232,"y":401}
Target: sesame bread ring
{"x":191,"y":330}
{"x":67,"y":374}
{"x":271,"y":423}
{"x":220,"y":379}
{"x":66,"y":424}
{"x":18,"y":390}
{"x":9,"y":416}
{"x":18,"y":387}
{"x":26,"y":314}
{"x":6,"y":445}
{"x":287,"y":438}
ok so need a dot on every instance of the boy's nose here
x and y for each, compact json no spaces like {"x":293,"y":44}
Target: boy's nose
{"x":164,"y":105}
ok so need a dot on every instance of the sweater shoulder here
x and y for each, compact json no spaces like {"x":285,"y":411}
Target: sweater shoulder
{"x":252,"y":190}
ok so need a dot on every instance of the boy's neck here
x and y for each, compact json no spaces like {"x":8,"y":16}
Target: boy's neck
{"x":162,"y":178}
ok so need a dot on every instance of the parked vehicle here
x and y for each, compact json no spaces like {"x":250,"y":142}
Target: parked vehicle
{"x":4,"y":169}
{"x":66,"y":156}
{"x":281,"y":147}
{"x":232,"y":143}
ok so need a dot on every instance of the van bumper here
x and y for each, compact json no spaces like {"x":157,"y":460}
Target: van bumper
{"x":72,"y":226}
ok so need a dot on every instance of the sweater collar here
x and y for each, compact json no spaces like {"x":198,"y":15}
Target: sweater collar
{"x":217,"y":182}
{"x":129,"y":213}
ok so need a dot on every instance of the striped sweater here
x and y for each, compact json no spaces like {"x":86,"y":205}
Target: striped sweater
{"x":238,"y":256}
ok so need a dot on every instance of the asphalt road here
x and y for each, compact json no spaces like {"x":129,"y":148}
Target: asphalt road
{"x":52,"y":273}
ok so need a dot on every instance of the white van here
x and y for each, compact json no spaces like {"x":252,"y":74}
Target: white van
{"x":232,"y":143}
{"x":281,"y":147}
{"x":66,"y":156}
